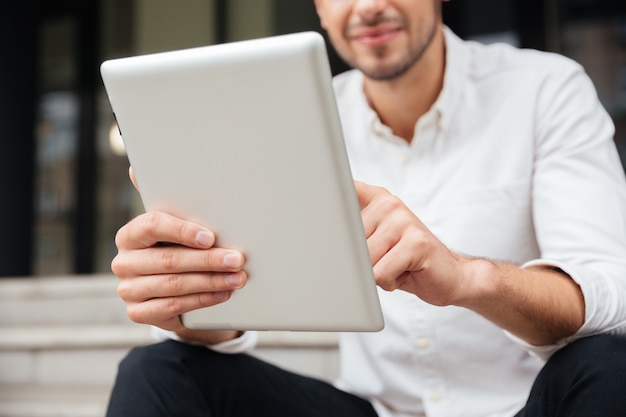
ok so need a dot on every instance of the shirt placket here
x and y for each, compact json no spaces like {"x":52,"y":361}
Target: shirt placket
{"x":426,"y":357}
{"x":425,"y":347}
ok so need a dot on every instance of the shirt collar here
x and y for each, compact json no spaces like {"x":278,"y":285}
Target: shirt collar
{"x":455,"y":76}
{"x":377,"y":126}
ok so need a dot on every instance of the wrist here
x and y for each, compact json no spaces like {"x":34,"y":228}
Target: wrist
{"x":480,"y":283}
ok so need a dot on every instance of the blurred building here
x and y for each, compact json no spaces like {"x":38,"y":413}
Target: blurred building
{"x":63,"y":174}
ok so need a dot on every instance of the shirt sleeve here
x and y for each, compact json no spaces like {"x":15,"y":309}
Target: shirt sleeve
{"x":242,"y":344}
{"x":579,"y":201}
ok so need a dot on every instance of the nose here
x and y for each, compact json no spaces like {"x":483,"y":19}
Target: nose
{"x":369,"y":9}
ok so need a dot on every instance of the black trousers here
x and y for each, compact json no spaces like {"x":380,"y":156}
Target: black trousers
{"x":586,"y":379}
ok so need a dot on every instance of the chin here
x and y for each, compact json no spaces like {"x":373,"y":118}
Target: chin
{"x":385,"y":72}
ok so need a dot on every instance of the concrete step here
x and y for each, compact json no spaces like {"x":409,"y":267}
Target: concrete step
{"x":89,"y":354}
{"x":48,"y":373}
{"x":27,"y":400}
{"x":66,"y":353}
{"x":52,"y":300}
{"x":62,"y":338}
{"x":71,"y":336}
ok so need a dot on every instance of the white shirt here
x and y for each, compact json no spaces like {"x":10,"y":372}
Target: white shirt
{"x":515,"y":161}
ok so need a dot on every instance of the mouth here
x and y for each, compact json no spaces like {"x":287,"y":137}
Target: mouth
{"x":375,"y":36}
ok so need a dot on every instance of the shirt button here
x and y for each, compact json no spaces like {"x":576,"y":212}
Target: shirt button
{"x":422,"y":343}
{"x":378,"y":127}
{"x":403,"y":158}
{"x":436,"y":396}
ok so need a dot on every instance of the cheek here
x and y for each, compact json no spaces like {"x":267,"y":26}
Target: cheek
{"x":333,"y":15}
{"x":335,"y":29}
{"x":341,"y":46}
{"x":334,"y":19}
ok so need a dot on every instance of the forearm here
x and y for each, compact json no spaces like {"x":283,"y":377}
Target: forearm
{"x":539,"y":305}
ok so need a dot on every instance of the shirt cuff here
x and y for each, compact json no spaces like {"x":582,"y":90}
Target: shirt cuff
{"x":541,"y":352}
{"x":244,"y":343}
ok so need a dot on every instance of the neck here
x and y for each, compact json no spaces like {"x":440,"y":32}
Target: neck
{"x":401,"y":110}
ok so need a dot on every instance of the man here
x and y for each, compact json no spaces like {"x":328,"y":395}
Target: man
{"x":464,"y":155}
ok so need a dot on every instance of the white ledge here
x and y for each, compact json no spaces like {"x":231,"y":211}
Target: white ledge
{"x":103,"y":285}
{"x":93,"y":336}
{"x":68,"y":336}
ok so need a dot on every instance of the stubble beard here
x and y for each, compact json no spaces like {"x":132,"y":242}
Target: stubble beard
{"x":385,"y":69}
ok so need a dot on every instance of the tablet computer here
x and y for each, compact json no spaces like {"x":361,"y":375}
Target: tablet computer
{"x":245,"y":139}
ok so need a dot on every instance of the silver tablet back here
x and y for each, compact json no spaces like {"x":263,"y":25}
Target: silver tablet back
{"x":245,"y":139}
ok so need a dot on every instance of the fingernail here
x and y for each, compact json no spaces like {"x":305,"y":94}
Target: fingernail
{"x":234,"y":280}
{"x":205,"y":238}
{"x":232,"y":260}
{"x":221,"y":295}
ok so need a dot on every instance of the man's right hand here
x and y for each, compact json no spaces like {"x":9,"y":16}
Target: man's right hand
{"x":159,"y":282}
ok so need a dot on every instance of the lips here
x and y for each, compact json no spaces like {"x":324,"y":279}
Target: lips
{"x":375,"y":37}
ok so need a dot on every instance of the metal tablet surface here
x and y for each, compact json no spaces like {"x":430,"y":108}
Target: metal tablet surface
{"x":245,"y":139}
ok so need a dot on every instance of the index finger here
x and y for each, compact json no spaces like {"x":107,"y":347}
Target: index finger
{"x":366,"y":193}
{"x":152,"y":228}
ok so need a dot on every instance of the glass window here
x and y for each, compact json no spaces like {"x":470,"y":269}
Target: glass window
{"x":56,"y":141}
{"x":131,"y":28}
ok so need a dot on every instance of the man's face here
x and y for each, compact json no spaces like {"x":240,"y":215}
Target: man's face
{"x":382,"y":38}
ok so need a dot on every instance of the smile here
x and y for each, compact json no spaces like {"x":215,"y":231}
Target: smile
{"x":376,"y":37}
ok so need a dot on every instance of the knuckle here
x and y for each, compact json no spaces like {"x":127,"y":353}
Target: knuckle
{"x":394,"y":202}
{"x":174,"y":283}
{"x":168,"y":258}
{"x":172,"y":306}
{"x":213,"y":260}
{"x":186,"y":233}
{"x":119,"y":236}
{"x":417,"y":244}
{"x":202,"y":300}
{"x":418,"y":241}
{"x":118,"y":266}
{"x":136,"y":314}
{"x":151,"y":220}
{"x":148,"y":223}
{"x":123,"y":290}
{"x":141,"y":228}
{"x":397,"y":221}
{"x":212,"y":255}
{"x":380,"y":191}
{"x":213,"y":284}
{"x":385,"y":282}
{"x":388,"y":202}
